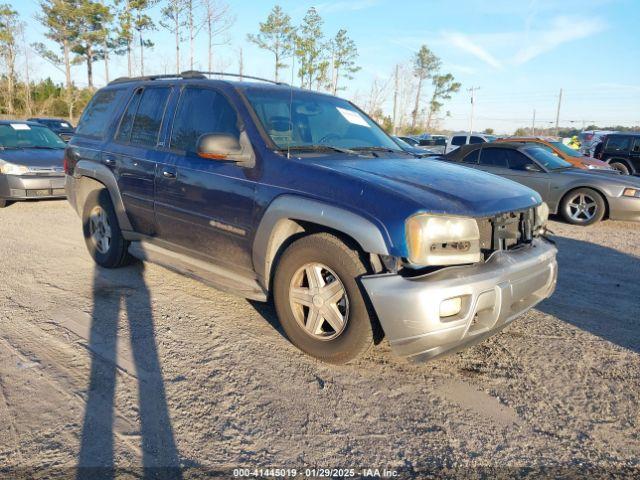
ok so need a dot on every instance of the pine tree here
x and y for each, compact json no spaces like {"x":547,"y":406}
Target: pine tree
{"x":425,"y":66}
{"x":92,"y":18}
{"x":344,"y":55}
{"x":173,"y":20}
{"x":277,"y":36}
{"x":443,"y":87}
{"x":309,"y":49}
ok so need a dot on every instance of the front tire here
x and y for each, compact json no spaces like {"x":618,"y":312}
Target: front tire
{"x":102,"y":233}
{"x":583,"y":206}
{"x":621,"y":167}
{"x":4,"y":203}
{"x":318,"y":299}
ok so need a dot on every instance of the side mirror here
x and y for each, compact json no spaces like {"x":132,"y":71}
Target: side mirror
{"x":226,"y":147}
{"x":530,"y":167}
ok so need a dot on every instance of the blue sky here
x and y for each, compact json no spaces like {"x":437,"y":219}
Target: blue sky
{"x":520,"y":53}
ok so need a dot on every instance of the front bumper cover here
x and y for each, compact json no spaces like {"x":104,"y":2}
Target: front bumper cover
{"x":26,"y":187}
{"x":492,"y":295}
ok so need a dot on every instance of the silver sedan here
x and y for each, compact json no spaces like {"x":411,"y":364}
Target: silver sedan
{"x":581,"y":197}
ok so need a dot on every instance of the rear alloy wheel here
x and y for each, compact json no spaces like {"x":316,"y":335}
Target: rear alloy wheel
{"x":102,"y":233}
{"x":318,"y":300}
{"x":621,"y":167}
{"x":583,"y":207}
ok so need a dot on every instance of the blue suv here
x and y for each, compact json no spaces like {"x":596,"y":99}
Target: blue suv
{"x":277,"y":193}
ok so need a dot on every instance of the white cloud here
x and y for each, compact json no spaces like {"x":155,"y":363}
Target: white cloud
{"x":562,"y":30}
{"x":463,"y":42}
{"x":344,"y":6}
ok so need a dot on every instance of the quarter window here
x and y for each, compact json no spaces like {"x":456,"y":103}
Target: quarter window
{"x":97,"y":116}
{"x":148,"y":119}
{"x":199,"y":112}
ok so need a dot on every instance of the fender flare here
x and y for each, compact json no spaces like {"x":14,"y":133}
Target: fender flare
{"x":279,"y":223}
{"x":102,"y":174}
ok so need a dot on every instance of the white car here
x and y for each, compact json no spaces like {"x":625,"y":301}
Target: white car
{"x":464,"y":138}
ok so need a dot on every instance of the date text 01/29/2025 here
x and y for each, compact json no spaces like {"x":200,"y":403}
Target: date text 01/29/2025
{"x":315,"y":472}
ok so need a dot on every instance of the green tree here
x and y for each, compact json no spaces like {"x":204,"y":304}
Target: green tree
{"x":173,"y":20}
{"x":344,"y":56}
{"x":489,"y":131}
{"x":425,"y":66}
{"x":90,"y":33}
{"x":142,"y":23}
{"x":124,"y":33}
{"x":443,"y":87}
{"x":9,"y":30}
{"x":276,"y":36}
{"x":309,"y":49}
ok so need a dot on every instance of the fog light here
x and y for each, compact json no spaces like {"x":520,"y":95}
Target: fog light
{"x":450,"y":307}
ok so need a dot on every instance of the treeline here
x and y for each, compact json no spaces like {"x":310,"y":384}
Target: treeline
{"x":84,"y":32}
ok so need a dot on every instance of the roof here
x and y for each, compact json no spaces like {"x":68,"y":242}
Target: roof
{"x":57,"y":119}
{"x":528,"y":138}
{"x":9,"y":122}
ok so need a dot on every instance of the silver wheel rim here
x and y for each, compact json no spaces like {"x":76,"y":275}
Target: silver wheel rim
{"x":319,"y":301}
{"x":621,"y":168}
{"x":582,"y":207}
{"x":99,"y":229}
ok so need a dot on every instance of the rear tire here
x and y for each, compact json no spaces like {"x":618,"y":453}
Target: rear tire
{"x":583,"y":207}
{"x":4,"y":203}
{"x":318,"y":299}
{"x":102,"y":233}
{"x":621,"y":167}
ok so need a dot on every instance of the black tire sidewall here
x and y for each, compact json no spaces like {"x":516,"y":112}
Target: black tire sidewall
{"x":624,"y":170}
{"x":330,"y":251}
{"x":601,"y":207}
{"x":117,"y":253}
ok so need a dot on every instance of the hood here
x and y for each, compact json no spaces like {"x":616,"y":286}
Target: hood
{"x":438,"y":186}
{"x":34,"y":157}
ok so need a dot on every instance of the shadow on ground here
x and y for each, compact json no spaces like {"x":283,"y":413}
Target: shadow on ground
{"x":598,"y":291}
{"x":160,"y":458}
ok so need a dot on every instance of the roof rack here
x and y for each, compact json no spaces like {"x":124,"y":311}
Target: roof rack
{"x":191,"y":74}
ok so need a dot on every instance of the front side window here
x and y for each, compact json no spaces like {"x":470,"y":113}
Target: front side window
{"x":617,"y":144}
{"x":21,"y":135}
{"x":457,"y":141}
{"x":472,"y":157}
{"x":299,"y":119}
{"x":146,"y":124}
{"x":636,"y":145}
{"x":199,"y":112}
{"x":97,"y":116}
{"x":476,"y":140}
{"x":517,"y":160}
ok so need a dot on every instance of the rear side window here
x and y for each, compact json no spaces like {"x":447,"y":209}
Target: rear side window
{"x":124,"y":132}
{"x":494,"y":157}
{"x":617,"y":144}
{"x":472,"y":157}
{"x":97,"y":116}
{"x":458,"y":141}
{"x":201,"y":111}
{"x":636,"y":145}
{"x":148,"y":118}
{"x":474,"y":140}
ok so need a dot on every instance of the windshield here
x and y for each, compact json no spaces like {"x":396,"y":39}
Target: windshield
{"x":315,"y":120}
{"x":21,"y":135}
{"x":402,"y":143}
{"x":566,"y":150}
{"x":547,"y":159}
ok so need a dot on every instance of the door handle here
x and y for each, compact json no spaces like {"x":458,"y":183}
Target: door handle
{"x":110,"y":161}
{"x":168,"y":174}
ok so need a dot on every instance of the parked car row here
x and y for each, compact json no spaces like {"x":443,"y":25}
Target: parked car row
{"x":274,"y":192}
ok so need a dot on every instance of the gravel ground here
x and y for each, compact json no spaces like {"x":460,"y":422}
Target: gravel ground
{"x":141,"y":366}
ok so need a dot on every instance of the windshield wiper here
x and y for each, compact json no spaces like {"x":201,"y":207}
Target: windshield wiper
{"x":377,"y":149}
{"x":319,"y":148}
{"x":43,"y":147}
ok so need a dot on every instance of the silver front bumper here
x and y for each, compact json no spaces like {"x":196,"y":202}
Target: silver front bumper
{"x":493,"y":294}
{"x":25,"y":187}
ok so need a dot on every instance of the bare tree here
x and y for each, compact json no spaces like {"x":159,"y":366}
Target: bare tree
{"x":173,"y":21}
{"x":218,"y":19}
{"x":9,"y":31}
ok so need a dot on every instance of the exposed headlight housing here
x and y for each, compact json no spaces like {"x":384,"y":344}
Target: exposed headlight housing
{"x":442,"y":240}
{"x":11,"y":169}
{"x":542,"y":217}
{"x":631,"y":192}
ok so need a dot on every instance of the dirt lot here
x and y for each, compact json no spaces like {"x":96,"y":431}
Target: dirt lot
{"x":141,"y":366}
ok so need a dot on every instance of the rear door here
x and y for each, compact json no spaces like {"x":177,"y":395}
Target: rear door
{"x":136,"y":151}
{"x":204,"y":205}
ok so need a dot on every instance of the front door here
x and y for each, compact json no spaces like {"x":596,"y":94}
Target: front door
{"x":205,"y":205}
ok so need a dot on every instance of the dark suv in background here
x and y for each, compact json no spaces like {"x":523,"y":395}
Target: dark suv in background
{"x":59,"y":126}
{"x":274,"y":192}
{"x":622,"y":152}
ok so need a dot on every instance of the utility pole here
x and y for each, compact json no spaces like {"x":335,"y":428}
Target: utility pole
{"x":395,"y":105}
{"x":241,"y":65}
{"x":558,"y":112}
{"x":533,"y":123}
{"x":473,"y":104}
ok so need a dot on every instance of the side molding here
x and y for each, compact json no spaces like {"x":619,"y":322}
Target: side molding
{"x":106,"y":177}
{"x":279,"y":223}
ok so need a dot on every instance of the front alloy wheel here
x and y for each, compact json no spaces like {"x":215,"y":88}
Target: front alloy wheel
{"x":583,"y":206}
{"x":319,"y":301}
